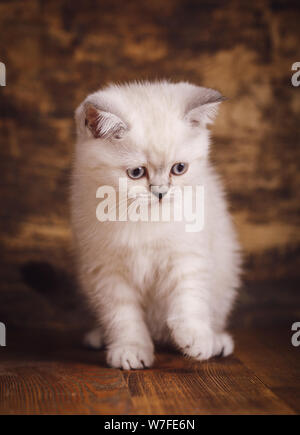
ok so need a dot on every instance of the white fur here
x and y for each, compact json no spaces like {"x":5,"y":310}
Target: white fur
{"x":153,"y":281}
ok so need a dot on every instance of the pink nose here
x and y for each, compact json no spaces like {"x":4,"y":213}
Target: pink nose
{"x":159,"y":195}
{"x":159,"y":191}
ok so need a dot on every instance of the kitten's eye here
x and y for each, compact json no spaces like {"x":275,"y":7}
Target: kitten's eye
{"x":136,"y":173}
{"x":179,"y":168}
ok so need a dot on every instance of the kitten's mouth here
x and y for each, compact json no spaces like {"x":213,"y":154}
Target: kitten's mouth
{"x":159,"y":195}
{"x":156,"y":195}
{"x":156,"y":198}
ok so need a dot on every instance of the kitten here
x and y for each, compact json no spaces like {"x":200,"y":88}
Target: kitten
{"x":152,"y":281}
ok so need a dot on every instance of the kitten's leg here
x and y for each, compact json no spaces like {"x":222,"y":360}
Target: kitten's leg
{"x":223,"y":343}
{"x":189,"y":318}
{"x":94,"y":339}
{"x":189,"y":323}
{"x":129,"y":345}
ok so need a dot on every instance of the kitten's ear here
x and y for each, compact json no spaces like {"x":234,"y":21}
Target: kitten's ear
{"x":99,"y":123}
{"x":202,"y":107}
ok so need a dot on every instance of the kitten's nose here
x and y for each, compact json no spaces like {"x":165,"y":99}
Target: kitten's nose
{"x":159,"y":191}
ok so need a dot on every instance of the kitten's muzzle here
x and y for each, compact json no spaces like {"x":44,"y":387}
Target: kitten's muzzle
{"x":159,"y":191}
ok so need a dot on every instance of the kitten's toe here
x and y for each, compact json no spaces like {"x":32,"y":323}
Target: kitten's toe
{"x":223,"y":344}
{"x":194,"y":344}
{"x":93,"y":339}
{"x":202,"y":348}
{"x":129,"y":357}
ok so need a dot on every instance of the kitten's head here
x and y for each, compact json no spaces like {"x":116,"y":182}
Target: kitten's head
{"x":154,"y":134}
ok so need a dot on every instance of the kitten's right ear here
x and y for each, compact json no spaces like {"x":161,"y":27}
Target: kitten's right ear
{"x":202,"y":106}
{"x":93,"y":121}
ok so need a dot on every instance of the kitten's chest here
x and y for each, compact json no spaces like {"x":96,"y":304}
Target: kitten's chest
{"x":143,"y":267}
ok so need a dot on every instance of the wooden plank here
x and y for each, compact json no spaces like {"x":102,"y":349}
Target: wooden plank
{"x":220,"y":386}
{"x":50,"y":373}
{"x":51,"y":379}
{"x":290,"y":395}
{"x":61,"y":388}
{"x":270,"y":354}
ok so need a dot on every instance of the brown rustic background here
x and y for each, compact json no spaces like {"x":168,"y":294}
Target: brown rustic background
{"x":56,"y":52}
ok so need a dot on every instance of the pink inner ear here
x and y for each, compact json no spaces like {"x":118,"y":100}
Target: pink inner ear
{"x":93,"y":120}
{"x":102,"y":123}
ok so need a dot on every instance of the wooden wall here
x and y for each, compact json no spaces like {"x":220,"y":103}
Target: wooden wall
{"x":56,"y":52}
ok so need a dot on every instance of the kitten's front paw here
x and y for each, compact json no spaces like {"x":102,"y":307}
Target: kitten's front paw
{"x":223,"y":344}
{"x":198,"y":345}
{"x":130,"y":356}
{"x":203,"y":345}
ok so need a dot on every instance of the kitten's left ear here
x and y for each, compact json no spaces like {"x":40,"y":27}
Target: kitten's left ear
{"x":96,"y":119}
{"x":103,"y":123}
{"x":202,"y":108}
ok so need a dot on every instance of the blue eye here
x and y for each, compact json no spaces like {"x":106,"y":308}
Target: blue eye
{"x":179,"y":168}
{"x":136,"y":173}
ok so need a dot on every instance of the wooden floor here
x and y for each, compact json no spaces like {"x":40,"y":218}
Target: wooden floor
{"x":49,"y":373}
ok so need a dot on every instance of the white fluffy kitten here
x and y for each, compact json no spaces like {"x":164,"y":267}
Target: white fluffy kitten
{"x":152,"y":281}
